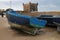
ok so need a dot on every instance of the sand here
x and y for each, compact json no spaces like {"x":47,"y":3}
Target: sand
{"x":8,"y":34}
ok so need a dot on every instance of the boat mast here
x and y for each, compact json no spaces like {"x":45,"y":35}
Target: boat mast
{"x":10,"y":3}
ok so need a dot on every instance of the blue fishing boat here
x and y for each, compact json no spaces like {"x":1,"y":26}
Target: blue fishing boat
{"x":52,"y":20}
{"x":25,"y":23}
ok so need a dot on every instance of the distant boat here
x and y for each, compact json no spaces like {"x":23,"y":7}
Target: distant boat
{"x":52,"y":20}
{"x":26,"y":23}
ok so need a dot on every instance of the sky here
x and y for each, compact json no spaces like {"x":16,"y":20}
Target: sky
{"x":43,"y":5}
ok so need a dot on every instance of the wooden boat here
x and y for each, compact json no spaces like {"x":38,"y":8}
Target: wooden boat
{"x":52,"y":20}
{"x":25,"y":23}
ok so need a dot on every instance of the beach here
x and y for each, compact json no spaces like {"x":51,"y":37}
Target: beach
{"x":6,"y":33}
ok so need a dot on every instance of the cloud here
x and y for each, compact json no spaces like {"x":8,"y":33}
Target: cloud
{"x":53,"y":6}
{"x":4,"y":0}
{"x":15,"y":5}
{"x":49,"y":6}
{"x":42,"y":4}
{"x":42,"y":0}
{"x":3,"y":6}
{"x":10,"y":0}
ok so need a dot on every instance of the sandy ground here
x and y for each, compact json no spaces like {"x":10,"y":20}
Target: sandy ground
{"x":7,"y":34}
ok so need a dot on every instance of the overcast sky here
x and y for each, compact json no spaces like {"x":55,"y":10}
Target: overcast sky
{"x":43,"y":5}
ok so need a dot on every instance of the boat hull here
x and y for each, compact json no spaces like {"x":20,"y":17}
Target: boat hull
{"x":26,"y":23}
{"x":50,"y":21}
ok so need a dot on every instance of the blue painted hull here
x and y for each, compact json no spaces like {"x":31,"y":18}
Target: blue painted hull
{"x":51,"y":20}
{"x":26,"y":23}
{"x":17,"y":18}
